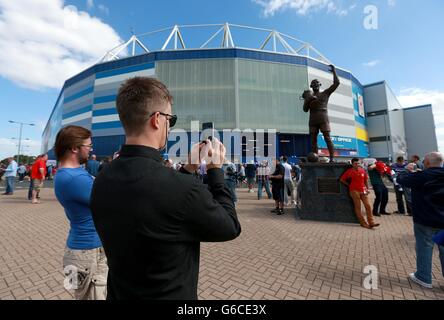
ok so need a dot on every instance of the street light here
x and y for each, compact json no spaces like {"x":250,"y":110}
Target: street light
{"x":22,"y":147}
{"x":20,"y":136}
{"x":14,"y":138}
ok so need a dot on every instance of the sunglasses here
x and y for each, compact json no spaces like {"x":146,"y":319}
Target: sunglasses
{"x":172,"y":118}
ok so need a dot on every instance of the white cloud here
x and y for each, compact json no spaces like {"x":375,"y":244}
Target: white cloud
{"x":391,"y":3}
{"x":103,"y":8}
{"x":332,"y":8}
{"x":302,"y":7}
{"x":371,"y":63}
{"x":411,"y":97}
{"x":90,"y":4}
{"x":9,"y":147}
{"x":43,"y":43}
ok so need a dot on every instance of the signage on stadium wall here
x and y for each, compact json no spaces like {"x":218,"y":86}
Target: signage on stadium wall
{"x":339,"y":153}
{"x":344,"y":147}
{"x":363,"y":149}
{"x":361,"y":106}
{"x":344,"y":143}
{"x":358,"y":100}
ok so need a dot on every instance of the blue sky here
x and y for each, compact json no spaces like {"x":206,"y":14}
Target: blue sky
{"x":43,"y":42}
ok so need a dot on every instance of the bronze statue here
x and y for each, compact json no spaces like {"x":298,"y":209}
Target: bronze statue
{"x":317,"y":103}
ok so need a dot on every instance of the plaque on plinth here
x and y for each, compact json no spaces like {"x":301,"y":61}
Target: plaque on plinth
{"x":322,"y":196}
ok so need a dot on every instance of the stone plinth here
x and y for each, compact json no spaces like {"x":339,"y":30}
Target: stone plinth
{"x":323,"y":196}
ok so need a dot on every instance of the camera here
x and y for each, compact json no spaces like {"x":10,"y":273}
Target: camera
{"x":208,"y":129}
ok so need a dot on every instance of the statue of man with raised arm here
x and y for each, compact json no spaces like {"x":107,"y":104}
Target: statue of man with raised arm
{"x":316,"y":102}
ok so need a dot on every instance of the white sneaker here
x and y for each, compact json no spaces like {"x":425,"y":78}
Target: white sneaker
{"x":421,"y":283}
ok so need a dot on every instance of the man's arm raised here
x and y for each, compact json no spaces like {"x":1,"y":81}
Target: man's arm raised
{"x":336,"y":82}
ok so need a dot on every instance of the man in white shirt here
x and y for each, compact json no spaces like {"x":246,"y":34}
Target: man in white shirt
{"x":10,"y":173}
{"x":288,"y":182}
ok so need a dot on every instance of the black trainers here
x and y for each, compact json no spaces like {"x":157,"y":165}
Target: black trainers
{"x":275,"y":210}
{"x":280,"y":212}
{"x":376,"y":214}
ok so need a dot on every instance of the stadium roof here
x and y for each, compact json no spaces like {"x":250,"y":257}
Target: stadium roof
{"x":267,"y":40}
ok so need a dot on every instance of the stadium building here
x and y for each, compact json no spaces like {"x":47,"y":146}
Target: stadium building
{"x":235,"y":87}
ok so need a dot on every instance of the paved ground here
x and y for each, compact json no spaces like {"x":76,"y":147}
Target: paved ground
{"x":276,"y":257}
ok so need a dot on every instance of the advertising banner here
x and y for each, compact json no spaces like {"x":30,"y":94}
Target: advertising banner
{"x":344,"y":143}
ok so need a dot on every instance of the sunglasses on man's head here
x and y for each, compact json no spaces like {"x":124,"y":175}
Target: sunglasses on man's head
{"x":172,"y":118}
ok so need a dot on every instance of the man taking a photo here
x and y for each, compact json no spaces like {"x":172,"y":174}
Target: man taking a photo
{"x":151,"y":219}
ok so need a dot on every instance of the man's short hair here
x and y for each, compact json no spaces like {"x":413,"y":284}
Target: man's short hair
{"x":284,"y":158}
{"x":400,"y":158}
{"x":137,"y":99}
{"x":415,"y":156}
{"x":355,"y":160}
{"x":435,"y":159}
{"x":69,"y":137}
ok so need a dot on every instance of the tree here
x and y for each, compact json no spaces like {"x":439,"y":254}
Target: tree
{"x":25,"y":159}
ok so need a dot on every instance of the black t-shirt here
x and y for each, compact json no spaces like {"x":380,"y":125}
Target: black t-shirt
{"x":280,"y":170}
{"x":250,"y":170}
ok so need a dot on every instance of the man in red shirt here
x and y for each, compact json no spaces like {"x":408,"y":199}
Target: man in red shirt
{"x":356,"y":179}
{"x":38,"y":173}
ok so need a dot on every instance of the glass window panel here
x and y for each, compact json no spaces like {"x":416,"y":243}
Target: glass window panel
{"x":202,"y":89}
{"x":269,"y":96}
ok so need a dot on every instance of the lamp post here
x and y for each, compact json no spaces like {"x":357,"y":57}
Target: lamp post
{"x":20,"y":135}
{"x":21,"y":152}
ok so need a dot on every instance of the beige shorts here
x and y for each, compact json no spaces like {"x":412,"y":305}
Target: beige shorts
{"x":38,"y":184}
{"x":86,"y":273}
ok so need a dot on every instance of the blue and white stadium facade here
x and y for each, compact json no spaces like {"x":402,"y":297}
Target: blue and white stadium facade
{"x":234,"y":87}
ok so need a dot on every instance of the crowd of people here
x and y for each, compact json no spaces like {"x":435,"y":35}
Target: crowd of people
{"x":280,"y":185}
{"x":137,"y":220}
{"x":40,"y":170}
{"x":421,"y":185}
{"x":36,"y":173}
